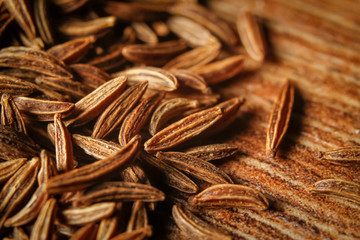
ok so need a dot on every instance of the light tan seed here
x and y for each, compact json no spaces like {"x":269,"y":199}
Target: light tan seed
{"x":229,"y":196}
{"x":208,"y":19}
{"x":10,"y":114}
{"x":72,"y":51}
{"x":20,"y":11}
{"x":190,"y":31}
{"x":88,"y":214}
{"x":121,"y":191}
{"x":138,"y":218}
{"x":195,"y":167}
{"x":115,"y":113}
{"x":346,"y":155}
{"x":194,"y":227}
{"x":213,"y":151}
{"x":154,"y":54}
{"x":9,"y":168}
{"x":87,"y":108}
{"x":97,"y":148}
{"x":251,"y":35}
{"x":279,"y":118}
{"x":63,"y":146}
{"x":157,"y":78}
{"x":144,"y":32}
{"x":170,"y":175}
{"x":337,"y":188}
{"x":169,"y":109}
{"x":136,"y":119}
{"x":188,"y":79}
{"x":42,"y":21}
{"x":44,"y":225}
{"x":80,"y":28}
{"x":160,"y":28}
{"x":17,"y":188}
{"x":42,"y":110}
{"x":207,"y":100}
{"x":221,"y":70}
{"x":47,"y":169}
{"x":107,"y":228}
{"x":86,"y":175}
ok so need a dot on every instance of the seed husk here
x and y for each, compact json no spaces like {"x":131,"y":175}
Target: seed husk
{"x":44,"y":225}
{"x":346,"y":155}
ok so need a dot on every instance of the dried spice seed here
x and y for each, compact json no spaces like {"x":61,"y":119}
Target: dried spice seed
{"x":69,"y":5}
{"x":138,"y":218}
{"x":213,"y":151}
{"x":8,"y":168}
{"x":251,"y":35}
{"x":84,"y":176}
{"x":158,"y":79}
{"x":120,"y":191}
{"x":90,"y":75}
{"x":89,"y":214}
{"x":142,"y":233}
{"x":194,"y":227}
{"x":42,"y":22}
{"x":230,"y":195}
{"x":87,"y":232}
{"x":337,"y":188}
{"x":33,"y":60}
{"x":195,"y":167}
{"x":63,"y":146}
{"x":10,"y":114}
{"x":170,"y":175}
{"x":183,"y":130}
{"x":144,"y":32}
{"x":136,"y":119}
{"x":344,"y":155}
{"x":113,"y":115}
{"x":107,"y":228}
{"x":279,"y":118}
{"x":44,"y":225}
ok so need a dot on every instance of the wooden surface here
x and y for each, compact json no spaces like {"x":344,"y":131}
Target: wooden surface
{"x":317,"y":45}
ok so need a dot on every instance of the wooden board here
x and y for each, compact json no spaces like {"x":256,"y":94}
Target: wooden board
{"x":316,"y":44}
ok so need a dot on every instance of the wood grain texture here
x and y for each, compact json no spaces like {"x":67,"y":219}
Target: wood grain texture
{"x":316,"y":44}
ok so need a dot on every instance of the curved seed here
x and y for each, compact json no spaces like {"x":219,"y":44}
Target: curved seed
{"x":213,"y":151}
{"x":44,"y":225}
{"x":344,"y":155}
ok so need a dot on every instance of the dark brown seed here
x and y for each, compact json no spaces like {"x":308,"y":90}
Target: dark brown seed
{"x":10,"y":114}
{"x":136,"y":119}
{"x":170,"y":175}
{"x":111,"y":60}
{"x":15,"y":86}
{"x":279,"y":118}
{"x":33,"y":60}
{"x":87,"y":232}
{"x":72,"y":51}
{"x":89,"y":174}
{"x":155,"y":54}
{"x":121,"y":191}
{"x":69,"y":5}
{"x":113,"y":115}
{"x":230,"y":195}
{"x":87,"y":108}
{"x":90,"y":75}
{"x":195,"y":167}
{"x":213,"y":151}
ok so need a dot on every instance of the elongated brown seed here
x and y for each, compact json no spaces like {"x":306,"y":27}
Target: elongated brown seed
{"x":10,"y":114}
{"x":195,"y":167}
{"x":213,"y":151}
{"x":44,"y":225}
{"x":8,"y":168}
{"x":194,"y":227}
{"x":251,"y":35}
{"x":63,"y":146}
{"x":113,"y":115}
{"x":230,"y":195}
{"x":183,"y":130}
{"x":337,"y":188}
{"x":279,"y":118}
{"x":87,"y":232}
{"x":121,"y":191}
{"x":344,"y":155}
{"x":82,"y":177}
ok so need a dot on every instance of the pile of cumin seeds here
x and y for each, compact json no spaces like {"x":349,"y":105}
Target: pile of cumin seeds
{"x":110,"y":117}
